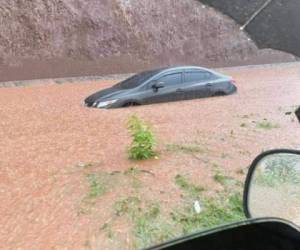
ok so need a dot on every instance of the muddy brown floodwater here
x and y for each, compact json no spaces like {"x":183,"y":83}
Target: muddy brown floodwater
{"x":46,"y":134}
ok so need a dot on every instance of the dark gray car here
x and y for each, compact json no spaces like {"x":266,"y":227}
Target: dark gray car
{"x":163,"y":85}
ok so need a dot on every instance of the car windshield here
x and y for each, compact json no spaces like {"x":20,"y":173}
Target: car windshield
{"x":136,"y":80}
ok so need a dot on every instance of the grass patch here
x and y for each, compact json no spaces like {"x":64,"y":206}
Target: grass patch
{"x":151,"y":223}
{"x":143,"y":140}
{"x":191,"y":189}
{"x":107,"y":228}
{"x":226,"y":181}
{"x":149,"y":226}
{"x":97,"y":185}
{"x":266,"y":125}
{"x":215,"y":212}
{"x":129,"y":206}
{"x":222,"y":179}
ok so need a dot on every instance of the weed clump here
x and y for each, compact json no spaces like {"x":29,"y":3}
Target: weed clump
{"x":184,"y":184}
{"x":143,"y":140}
{"x":266,"y":125}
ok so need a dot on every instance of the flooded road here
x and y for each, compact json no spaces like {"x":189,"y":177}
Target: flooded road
{"x":46,"y":135}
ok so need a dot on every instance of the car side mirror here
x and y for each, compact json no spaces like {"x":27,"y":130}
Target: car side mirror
{"x":272,"y":187}
{"x":158,"y":85}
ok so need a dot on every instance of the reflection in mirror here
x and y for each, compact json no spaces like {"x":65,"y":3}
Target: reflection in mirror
{"x":275,"y":187}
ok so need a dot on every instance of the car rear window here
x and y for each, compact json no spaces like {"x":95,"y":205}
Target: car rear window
{"x":197,"y":76}
{"x":137,"y":80}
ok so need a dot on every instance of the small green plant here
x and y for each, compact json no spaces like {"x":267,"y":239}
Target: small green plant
{"x":97,"y":186}
{"x":184,"y":184}
{"x":142,"y":146}
{"x":130,"y":205}
{"x":107,"y":228}
{"x":224,"y":180}
{"x":266,"y":125}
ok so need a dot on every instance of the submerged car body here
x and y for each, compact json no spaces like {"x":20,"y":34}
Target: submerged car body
{"x":163,"y":85}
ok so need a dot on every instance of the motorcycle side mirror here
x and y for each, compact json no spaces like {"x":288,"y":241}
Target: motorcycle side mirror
{"x":272,"y":187}
{"x":158,"y":85}
{"x":297,"y":113}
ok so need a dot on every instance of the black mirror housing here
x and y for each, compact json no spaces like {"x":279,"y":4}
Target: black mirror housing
{"x":297,"y":112}
{"x":271,"y":185}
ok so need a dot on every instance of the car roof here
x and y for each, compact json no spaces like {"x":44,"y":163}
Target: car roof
{"x":180,"y":68}
{"x":165,"y":70}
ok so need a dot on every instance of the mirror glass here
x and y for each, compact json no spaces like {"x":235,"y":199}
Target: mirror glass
{"x":274,"y":189}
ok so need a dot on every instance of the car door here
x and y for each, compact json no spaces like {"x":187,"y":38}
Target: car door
{"x":171,"y":90}
{"x":197,"y":84}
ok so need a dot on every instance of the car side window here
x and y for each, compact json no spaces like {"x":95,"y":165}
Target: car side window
{"x":197,"y":76}
{"x":171,"y":79}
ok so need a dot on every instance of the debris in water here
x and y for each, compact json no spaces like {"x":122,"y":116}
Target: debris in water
{"x":197,"y":207}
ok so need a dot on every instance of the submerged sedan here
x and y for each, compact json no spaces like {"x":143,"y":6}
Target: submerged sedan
{"x":163,"y":85}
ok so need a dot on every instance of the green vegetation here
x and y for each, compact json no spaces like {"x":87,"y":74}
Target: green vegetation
{"x":149,"y":226}
{"x":216,"y":211}
{"x":150,"y":222}
{"x":98,"y":185}
{"x":266,"y":125}
{"x":152,"y":225}
{"x":222,"y":179}
{"x":107,"y":228}
{"x":142,"y":146}
{"x":129,"y":206}
{"x":184,"y":184}
{"x":222,"y":208}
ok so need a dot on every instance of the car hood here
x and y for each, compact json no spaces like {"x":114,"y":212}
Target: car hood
{"x":102,"y":95}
